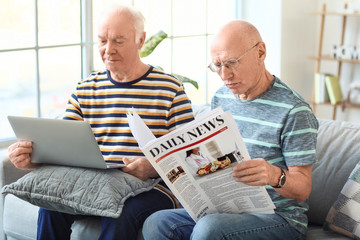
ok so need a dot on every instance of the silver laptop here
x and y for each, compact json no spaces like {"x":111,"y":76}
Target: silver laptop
{"x":61,"y":142}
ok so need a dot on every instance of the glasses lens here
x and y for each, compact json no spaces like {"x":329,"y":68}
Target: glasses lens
{"x":212,"y":67}
{"x":232,"y":63}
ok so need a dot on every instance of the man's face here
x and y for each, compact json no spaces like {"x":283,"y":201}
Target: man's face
{"x":242,"y":78}
{"x":117,"y":46}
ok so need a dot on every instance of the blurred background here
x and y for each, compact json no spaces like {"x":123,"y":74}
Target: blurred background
{"x":47,"y":46}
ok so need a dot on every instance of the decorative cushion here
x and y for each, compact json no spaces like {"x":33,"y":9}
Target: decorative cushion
{"x":338,"y":153}
{"x":344,"y":215}
{"x":79,"y":190}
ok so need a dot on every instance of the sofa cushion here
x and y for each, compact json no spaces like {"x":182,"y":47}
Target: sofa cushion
{"x":21,"y":222}
{"x":338,"y":151}
{"x":79,"y":190}
{"x":20,"y":218}
{"x":344,"y":215}
{"x":317,"y":233}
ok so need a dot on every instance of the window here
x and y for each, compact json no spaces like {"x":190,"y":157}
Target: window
{"x":49,"y":46}
{"x":190,"y":26}
{"x":40,"y":57}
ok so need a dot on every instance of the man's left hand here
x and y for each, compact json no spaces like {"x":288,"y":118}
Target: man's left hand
{"x":256,"y":172}
{"x":139,"y":167}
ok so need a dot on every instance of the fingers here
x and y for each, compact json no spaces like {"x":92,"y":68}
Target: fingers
{"x":19,"y":144}
{"x":129,"y":166}
{"x":139,"y":167}
{"x":19,"y":148}
{"x":252,"y":180}
{"x":19,"y":154}
{"x":246,"y":169}
{"x":253,"y":172}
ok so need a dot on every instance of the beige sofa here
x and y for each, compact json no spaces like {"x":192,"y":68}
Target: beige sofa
{"x":338,"y":151}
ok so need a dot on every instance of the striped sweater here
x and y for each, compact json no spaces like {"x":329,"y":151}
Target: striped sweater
{"x":157,"y":97}
{"x":280,"y":127}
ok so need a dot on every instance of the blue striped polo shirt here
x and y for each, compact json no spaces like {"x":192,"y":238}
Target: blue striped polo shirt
{"x":158,"y":98}
{"x":280,"y":127}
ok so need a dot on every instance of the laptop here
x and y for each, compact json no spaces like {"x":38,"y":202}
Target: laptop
{"x":61,"y":142}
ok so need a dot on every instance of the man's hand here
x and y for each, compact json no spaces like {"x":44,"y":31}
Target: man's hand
{"x":139,"y":167}
{"x":256,"y":172}
{"x":19,"y":154}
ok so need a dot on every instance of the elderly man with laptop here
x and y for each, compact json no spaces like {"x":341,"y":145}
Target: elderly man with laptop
{"x":102,"y":100}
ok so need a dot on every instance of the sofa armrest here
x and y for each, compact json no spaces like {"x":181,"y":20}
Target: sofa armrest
{"x":8,"y":174}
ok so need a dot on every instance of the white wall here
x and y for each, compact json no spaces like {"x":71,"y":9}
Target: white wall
{"x":291,"y":34}
{"x":300,"y":38}
{"x":269,"y":25}
{"x":299,"y":41}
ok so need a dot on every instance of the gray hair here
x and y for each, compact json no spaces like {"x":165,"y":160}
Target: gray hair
{"x":139,"y":22}
{"x":139,"y":19}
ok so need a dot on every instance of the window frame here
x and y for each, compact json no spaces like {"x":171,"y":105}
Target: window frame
{"x":87,"y":44}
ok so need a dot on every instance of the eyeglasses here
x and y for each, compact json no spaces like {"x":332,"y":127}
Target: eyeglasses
{"x":230,"y":64}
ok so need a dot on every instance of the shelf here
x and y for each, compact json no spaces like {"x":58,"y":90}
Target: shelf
{"x":320,"y":57}
{"x":352,"y":106}
{"x":329,"y":58}
{"x":347,"y":105}
{"x":344,"y":14}
{"x":312,"y":103}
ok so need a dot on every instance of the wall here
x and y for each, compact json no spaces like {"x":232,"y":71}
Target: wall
{"x":269,"y":25}
{"x":300,"y":34}
{"x":298,"y":43}
{"x":292,"y":34}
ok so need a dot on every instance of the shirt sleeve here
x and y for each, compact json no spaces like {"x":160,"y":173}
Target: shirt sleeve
{"x":73,"y":109}
{"x":181,"y":110}
{"x":299,"y":136}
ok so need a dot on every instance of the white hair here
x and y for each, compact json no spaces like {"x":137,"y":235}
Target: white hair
{"x":139,"y":19}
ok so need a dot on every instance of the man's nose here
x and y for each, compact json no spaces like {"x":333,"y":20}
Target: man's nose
{"x":109,"y":48}
{"x":225,"y":73}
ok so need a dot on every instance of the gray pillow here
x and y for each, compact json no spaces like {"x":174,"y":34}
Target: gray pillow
{"x":344,"y":215}
{"x":79,"y":190}
{"x":338,"y":153}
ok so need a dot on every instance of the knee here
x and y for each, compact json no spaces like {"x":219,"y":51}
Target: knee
{"x":159,"y":225}
{"x":211,"y":220}
{"x":207,"y":227}
{"x":152,"y":223}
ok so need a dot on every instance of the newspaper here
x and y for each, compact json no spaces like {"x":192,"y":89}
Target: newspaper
{"x":195,"y":161}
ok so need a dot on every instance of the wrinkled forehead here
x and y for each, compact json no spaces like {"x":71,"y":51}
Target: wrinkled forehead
{"x":118,"y":18}
{"x":116,"y":24}
{"x":223,"y":48}
{"x":234,"y":39}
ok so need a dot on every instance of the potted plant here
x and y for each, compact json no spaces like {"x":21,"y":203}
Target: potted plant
{"x":150,"y":45}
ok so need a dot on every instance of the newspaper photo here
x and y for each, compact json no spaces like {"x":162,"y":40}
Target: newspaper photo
{"x":196,"y":160}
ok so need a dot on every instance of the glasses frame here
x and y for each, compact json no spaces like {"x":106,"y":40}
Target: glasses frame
{"x":234,"y":61}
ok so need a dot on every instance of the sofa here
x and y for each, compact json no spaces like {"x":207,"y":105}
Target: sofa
{"x":338,"y":152}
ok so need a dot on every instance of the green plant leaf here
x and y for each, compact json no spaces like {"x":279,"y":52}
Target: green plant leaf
{"x":152,"y":43}
{"x":159,"y":68}
{"x":186,"y":80}
{"x":149,"y":47}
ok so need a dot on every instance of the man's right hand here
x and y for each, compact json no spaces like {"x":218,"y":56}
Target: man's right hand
{"x":19,"y":154}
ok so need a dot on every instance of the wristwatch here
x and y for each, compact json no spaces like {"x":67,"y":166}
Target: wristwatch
{"x":282,"y":179}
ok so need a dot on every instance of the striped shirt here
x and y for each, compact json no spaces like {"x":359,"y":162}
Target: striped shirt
{"x":280,"y":127}
{"x":158,"y":98}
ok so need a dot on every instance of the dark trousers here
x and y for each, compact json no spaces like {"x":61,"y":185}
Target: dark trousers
{"x":56,"y":225}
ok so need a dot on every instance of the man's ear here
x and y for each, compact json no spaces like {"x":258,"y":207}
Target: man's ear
{"x":262,"y":51}
{"x":142,"y":40}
